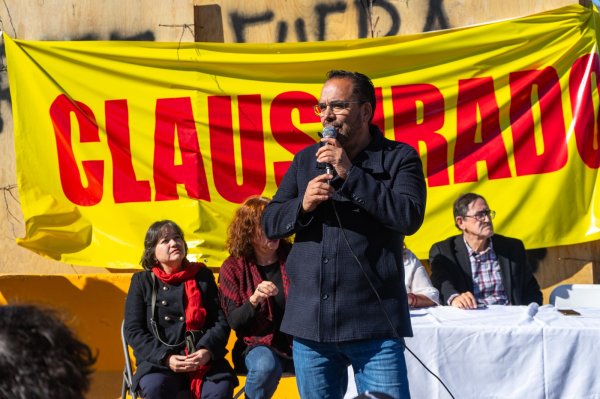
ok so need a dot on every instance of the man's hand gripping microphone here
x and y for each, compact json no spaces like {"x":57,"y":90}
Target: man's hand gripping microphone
{"x":329,"y":132}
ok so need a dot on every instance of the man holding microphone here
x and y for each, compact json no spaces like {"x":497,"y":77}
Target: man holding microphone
{"x":347,"y":304}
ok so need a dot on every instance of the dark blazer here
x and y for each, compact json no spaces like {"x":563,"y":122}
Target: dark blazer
{"x":148,"y":351}
{"x":451,"y":269}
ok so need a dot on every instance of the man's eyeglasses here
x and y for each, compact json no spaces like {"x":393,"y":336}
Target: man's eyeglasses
{"x":482,"y":215}
{"x":337,"y":107}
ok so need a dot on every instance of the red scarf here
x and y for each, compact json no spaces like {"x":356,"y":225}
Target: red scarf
{"x":195,"y":313}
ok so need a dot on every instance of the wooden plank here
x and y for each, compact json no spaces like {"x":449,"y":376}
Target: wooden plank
{"x":569,"y":264}
{"x":208,"y":23}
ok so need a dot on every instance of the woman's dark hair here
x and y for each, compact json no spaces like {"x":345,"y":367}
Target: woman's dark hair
{"x":155,"y":233}
{"x":363,"y":88}
{"x":40,"y":357}
{"x":461,"y":205}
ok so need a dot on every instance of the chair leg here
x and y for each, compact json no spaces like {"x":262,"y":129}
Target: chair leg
{"x":239,"y":393}
{"x":124,"y":390}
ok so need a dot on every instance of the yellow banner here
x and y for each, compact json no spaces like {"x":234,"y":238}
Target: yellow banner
{"x":112,"y":136}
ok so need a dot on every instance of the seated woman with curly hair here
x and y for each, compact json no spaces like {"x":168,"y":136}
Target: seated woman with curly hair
{"x":253,"y":288}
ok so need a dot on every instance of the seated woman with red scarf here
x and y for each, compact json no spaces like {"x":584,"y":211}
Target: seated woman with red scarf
{"x":174,"y":323}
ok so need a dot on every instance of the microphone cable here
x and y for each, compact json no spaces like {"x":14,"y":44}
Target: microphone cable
{"x":387,"y":316}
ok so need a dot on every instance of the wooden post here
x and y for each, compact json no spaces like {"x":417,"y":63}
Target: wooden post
{"x":208,"y":22}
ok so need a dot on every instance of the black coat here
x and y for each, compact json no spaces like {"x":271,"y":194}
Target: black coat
{"x":148,"y":351}
{"x":451,"y":269}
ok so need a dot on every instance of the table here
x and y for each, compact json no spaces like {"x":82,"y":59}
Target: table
{"x":507,"y":352}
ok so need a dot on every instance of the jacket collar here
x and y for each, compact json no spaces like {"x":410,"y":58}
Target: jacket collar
{"x":370,"y":159}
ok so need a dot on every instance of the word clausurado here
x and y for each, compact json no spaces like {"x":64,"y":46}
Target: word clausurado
{"x":418,"y":112}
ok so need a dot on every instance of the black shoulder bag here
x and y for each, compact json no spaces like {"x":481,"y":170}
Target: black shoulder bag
{"x":191,"y":337}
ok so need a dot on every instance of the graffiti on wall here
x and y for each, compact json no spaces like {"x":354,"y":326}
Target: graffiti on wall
{"x":146,"y":35}
{"x":436,"y":16}
{"x":241,"y":22}
{"x":4,"y":93}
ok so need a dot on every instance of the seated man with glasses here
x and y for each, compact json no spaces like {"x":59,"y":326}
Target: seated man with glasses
{"x":479,"y":267}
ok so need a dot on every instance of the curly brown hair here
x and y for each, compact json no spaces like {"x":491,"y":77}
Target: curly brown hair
{"x":244,"y":225}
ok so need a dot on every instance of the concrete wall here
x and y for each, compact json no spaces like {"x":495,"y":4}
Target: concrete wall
{"x":309,"y":20}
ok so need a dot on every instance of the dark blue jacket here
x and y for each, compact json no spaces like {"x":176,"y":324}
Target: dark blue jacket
{"x":330,"y":298}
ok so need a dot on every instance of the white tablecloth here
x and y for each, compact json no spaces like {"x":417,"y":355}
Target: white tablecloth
{"x":507,"y":352}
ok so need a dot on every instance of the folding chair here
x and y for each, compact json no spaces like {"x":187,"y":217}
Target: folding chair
{"x":127,"y":370}
{"x":239,"y":393}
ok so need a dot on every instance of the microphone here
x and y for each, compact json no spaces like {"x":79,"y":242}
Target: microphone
{"x":329,"y":132}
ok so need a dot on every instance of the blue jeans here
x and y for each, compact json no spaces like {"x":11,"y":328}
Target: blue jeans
{"x":264,"y":371}
{"x":379,"y":366}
